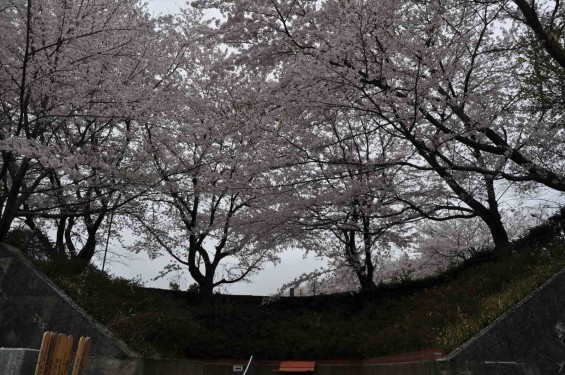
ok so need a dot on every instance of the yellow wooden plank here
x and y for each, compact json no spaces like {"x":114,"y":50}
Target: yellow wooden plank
{"x":87,"y":345}
{"x":51,"y":354}
{"x":67,"y":355}
{"x":43,"y":353}
{"x":54,"y":359}
{"x":61,"y":353}
{"x":78,"y":357}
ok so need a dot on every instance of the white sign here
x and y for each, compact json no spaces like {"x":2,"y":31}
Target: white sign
{"x":237,"y":368}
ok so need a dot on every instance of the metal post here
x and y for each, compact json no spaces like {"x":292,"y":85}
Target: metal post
{"x":107,"y":240}
{"x":248,"y":364}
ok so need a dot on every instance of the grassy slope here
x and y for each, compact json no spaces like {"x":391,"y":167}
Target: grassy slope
{"x":440,"y":312}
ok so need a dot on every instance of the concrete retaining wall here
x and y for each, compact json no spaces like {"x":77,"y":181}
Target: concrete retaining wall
{"x":528,"y":340}
{"x":17,"y":361}
{"x":22,"y":362}
{"x":532,"y":332}
{"x":188,"y":367}
{"x":117,"y":366}
{"x":31,"y":304}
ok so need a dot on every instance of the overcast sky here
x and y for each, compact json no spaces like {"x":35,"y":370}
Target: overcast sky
{"x":265,"y":282}
{"x":157,"y":7}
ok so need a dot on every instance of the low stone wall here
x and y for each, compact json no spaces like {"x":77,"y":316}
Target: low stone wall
{"x":14,"y":361}
{"x":17,"y":361}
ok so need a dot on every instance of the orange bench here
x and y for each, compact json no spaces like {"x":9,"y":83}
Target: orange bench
{"x":296,"y":366}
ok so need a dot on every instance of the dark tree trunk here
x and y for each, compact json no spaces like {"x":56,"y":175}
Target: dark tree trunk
{"x":50,"y":250}
{"x":497,"y":230}
{"x":204,"y":280}
{"x":206,"y":290}
{"x":10,"y":211}
{"x":367,"y":282}
{"x":490,"y":215}
{"x":87,"y":252}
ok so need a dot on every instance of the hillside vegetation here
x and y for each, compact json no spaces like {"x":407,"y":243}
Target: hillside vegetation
{"x":440,"y":312}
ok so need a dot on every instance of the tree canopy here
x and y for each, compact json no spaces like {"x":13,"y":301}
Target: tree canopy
{"x":351,"y":129}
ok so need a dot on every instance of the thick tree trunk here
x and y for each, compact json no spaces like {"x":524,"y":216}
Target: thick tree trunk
{"x":206,"y":290}
{"x":9,"y":214}
{"x":367,"y":282}
{"x":60,"y":238}
{"x":497,"y":230}
{"x":207,"y":287}
{"x":50,"y":250}
{"x":490,"y":215}
{"x":87,"y":252}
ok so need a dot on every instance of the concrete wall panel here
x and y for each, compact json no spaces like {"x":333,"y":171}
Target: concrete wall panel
{"x":31,"y":304}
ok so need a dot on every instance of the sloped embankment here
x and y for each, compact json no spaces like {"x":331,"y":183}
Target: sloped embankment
{"x":31,"y":304}
{"x":441,"y":312}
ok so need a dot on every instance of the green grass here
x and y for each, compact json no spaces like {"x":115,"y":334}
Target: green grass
{"x":441,"y":312}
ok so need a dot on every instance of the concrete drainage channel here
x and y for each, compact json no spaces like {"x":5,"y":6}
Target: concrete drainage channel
{"x":22,"y":362}
{"x":528,"y":340}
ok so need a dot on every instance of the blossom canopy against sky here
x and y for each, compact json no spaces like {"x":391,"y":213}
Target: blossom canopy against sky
{"x":266,"y":282}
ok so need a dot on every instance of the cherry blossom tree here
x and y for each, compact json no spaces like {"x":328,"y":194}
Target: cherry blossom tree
{"x":350,"y":184}
{"x":77,"y":80}
{"x":440,"y":245}
{"x":340,"y":211}
{"x":77,"y":215}
{"x":543,"y":58}
{"x":442,"y":74}
{"x":214,"y":211}
{"x":545,"y":20}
